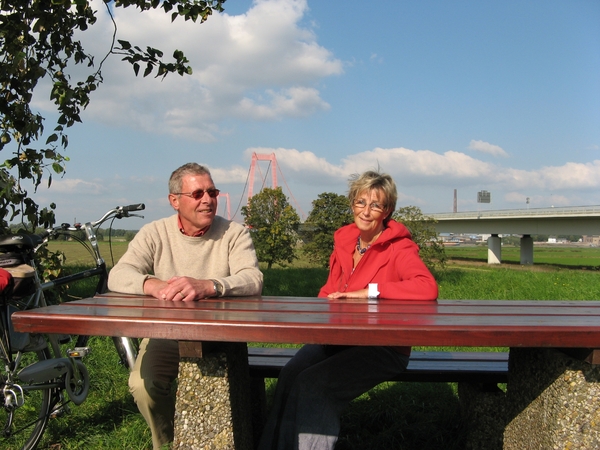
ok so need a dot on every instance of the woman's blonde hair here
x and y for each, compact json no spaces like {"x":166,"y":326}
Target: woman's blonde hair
{"x":371,"y":180}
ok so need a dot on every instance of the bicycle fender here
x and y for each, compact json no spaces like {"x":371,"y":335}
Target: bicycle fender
{"x":43,"y":371}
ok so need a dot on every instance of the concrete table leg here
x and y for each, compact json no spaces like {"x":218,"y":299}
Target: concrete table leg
{"x":213,"y":408}
{"x":552,"y":401}
{"x":555,"y":401}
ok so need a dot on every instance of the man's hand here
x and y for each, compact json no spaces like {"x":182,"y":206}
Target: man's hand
{"x":179,"y":289}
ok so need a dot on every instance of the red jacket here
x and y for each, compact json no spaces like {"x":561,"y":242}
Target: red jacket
{"x":392,"y":262}
{"x":5,"y":279}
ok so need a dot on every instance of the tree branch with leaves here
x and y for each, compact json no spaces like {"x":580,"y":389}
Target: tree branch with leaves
{"x":329,"y":212}
{"x":422,"y":229}
{"x":37,"y":41}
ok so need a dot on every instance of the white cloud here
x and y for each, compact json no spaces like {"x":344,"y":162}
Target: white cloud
{"x":424,"y":178}
{"x":486,"y":147}
{"x":376,"y":58}
{"x":572,"y":176}
{"x":293,"y":102}
{"x":235,"y":174}
{"x":421,"y":166}
{"x":261,"y":65}
{"x":427,"y":168}
{"x":77,"y":186}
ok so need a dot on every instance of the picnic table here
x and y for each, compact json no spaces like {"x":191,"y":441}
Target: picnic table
{"x":553,"y":376}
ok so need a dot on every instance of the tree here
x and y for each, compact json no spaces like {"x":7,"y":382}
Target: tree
{"x":37,"y":41}
{"x":431,"y":247}
{"x":329,"y":212}
{"x":273,"y":224}
{"x":129,"y":235}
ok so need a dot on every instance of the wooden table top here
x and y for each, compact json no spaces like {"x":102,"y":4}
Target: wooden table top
{"x":302,"y":320}
{"x":305,"y":320}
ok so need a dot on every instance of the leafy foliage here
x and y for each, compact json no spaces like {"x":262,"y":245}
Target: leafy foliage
{"x":273,"y":226}
{"x":37,"y":41}
{"x":423,"y":232}
{"x":329,"y":212}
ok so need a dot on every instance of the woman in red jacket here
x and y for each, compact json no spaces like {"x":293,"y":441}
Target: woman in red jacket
{"x":374,"y":257}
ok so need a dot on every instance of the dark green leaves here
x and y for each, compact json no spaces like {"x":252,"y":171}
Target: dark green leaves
{"x":152,"y":59}
{"x":37,"y":40}
{"x":273,"y":226}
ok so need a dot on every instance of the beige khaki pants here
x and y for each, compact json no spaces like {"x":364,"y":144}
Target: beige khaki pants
{"x":151,"y":384}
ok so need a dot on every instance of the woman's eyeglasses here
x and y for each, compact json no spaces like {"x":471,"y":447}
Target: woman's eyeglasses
{"x":199,"y":193}
{"x":378,"y":207}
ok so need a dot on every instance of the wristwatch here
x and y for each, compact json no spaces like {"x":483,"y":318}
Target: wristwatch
{"x":218,"y":288}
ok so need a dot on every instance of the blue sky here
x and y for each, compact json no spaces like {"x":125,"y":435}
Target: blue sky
{"x":502,"y":96}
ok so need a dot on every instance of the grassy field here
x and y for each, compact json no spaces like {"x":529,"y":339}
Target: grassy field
{"x":78,"y":255}
{"x":557,"y":255}
{"x":403,"y":416}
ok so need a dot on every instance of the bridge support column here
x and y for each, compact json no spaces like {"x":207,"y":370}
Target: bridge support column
{"x":526,"y":250}
{"x":494,"y":249}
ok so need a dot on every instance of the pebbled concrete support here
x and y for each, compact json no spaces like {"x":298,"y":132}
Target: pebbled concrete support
{"x":213,"y":408}
{"x":552,"y":401}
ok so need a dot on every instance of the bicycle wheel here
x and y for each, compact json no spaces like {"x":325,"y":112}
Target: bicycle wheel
{"x":24,"y":412}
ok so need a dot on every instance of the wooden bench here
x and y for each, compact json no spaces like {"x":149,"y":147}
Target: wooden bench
{"x":486,"y":369}
{"x":473,"y":367}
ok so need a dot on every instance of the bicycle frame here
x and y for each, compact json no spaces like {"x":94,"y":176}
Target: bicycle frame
{"x":126,"y":348}
{"x":52,"y":371}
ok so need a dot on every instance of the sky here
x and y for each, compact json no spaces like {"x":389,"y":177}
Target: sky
{"x":465,"y":95}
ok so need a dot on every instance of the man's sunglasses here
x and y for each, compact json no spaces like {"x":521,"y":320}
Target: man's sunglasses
{"x":199,"y":193}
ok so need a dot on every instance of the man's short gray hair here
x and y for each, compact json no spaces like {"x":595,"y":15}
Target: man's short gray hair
{"x":175,"y":181}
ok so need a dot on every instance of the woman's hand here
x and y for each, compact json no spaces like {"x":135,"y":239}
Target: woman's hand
{"x":363,"y":293}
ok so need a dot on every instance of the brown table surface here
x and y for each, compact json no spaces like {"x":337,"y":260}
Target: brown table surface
{"x":486,"y":323}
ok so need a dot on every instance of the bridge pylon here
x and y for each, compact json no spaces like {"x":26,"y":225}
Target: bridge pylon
{"x":261,"y":157}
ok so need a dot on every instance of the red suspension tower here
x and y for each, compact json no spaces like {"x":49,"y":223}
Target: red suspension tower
{"x":226,"y":197}
{"x":262,"y":157}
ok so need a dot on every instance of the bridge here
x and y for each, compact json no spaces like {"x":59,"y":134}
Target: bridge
{"x":561,"y":220}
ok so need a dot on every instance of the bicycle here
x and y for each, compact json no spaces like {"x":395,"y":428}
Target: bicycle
{"x":37,"y":371}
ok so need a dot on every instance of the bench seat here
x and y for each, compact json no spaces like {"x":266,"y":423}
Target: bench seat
{"x":430,"y":366}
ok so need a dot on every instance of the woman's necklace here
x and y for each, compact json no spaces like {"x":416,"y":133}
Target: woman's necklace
{"x":361,"y":251}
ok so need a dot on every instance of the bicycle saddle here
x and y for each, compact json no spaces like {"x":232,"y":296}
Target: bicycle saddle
{"x":21,"y":240}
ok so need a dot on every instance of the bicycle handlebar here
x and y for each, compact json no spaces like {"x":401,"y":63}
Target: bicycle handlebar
{"x":136,"y":207}
{"x":119,"y":212}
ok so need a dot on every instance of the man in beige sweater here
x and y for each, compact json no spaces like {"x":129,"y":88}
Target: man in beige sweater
{"x":189,"y":256}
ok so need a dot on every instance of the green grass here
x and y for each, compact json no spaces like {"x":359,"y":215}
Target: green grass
{"x":406,"y":416}
{"x":500,"y":282}
{"x":556,"y":254}
{"x":77,"y":254}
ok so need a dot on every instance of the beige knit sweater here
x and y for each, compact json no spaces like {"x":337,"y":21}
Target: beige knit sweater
{"x":224,"y":253}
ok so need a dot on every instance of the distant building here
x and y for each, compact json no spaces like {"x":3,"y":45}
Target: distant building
{"x":450,"y":239}
{"x":591,"y":240}
{"x":555,"y":240}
